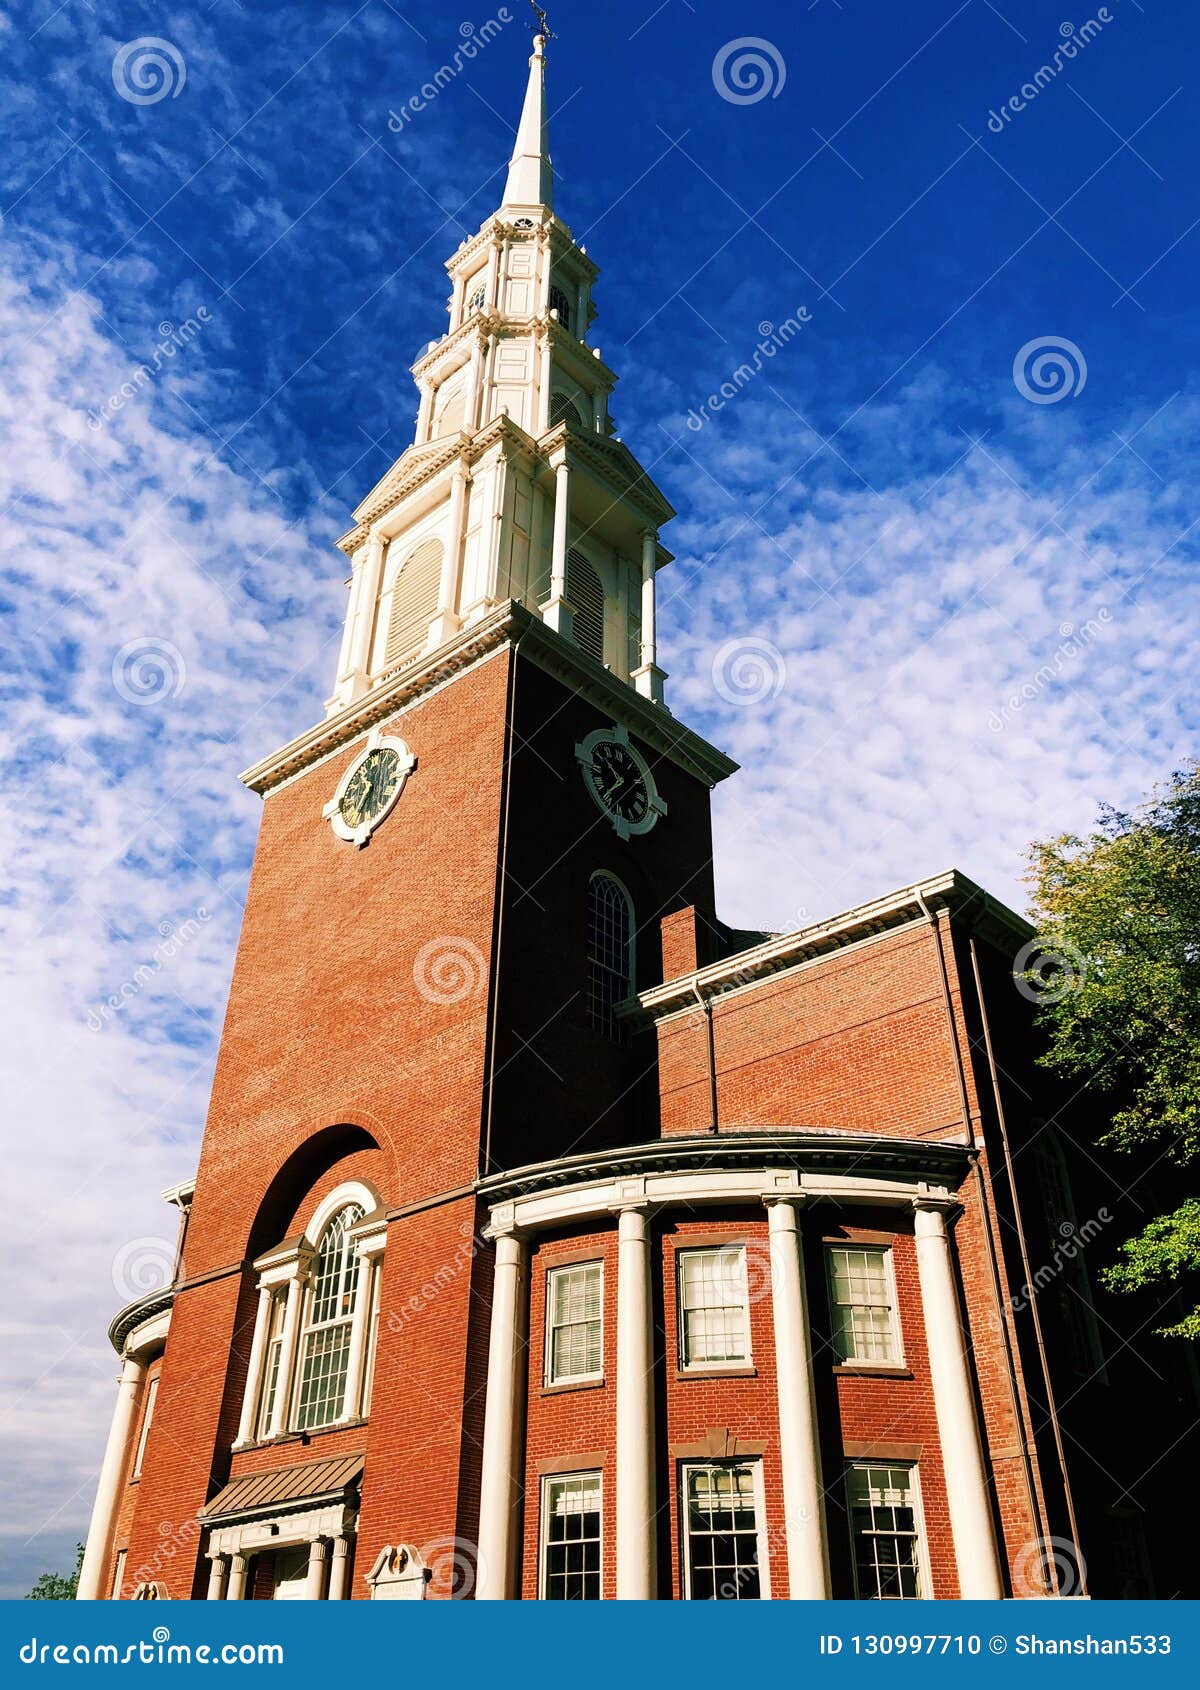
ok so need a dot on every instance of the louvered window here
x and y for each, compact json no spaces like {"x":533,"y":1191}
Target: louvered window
{"x":449,"y":407}
{"x":564,"y":409}
{"x":586,"y":598}
{"x":414,"y":601}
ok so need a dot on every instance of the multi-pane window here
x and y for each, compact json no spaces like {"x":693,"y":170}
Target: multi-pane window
{"x":325,"y":1351}
{"x":574,"y":1322}
{"x":571,"y":1538}
{"x":714,"y":1326}
{"x":862,"y":1302}
{"x":147,"y":1417}
{"x":271,"y":1361}
{"x":610,"y":951}
{"x":885,"y":1531}
{"x":721,"y":1527}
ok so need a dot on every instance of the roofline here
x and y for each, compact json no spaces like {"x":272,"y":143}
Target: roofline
{"x":509,"y":624}
{"x":784,"y":1146}
{"x":949,"y":890}
{"x":134,"y":1314}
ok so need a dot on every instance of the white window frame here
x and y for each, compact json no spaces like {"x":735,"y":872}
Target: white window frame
{"x":549,"y":1377}
{"x":754,"y":1466}
{"x":895,"y":1331}
{"x":912,"y":1468}
{"x":278,"y":1268}
{"x":548,"y":1481}
{"x":139,"y":1454}
{"x":119,"y":1574}
{"x":686,"y":1364}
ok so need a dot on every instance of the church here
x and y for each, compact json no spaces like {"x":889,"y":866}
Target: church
{"x":552,"y":1239}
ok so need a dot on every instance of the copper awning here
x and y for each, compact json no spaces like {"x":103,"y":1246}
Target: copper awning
{"x":285,"y":1487}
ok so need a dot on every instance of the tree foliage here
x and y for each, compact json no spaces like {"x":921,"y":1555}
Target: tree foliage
{"x":58,"y":1587}
{"x":1118,"y":915}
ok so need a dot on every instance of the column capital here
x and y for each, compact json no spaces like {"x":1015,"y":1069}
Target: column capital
{"x":939,"y":1203}
{"x":785,"y":1199}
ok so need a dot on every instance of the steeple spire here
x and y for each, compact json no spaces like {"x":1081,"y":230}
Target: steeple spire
{"x":530,"y":174}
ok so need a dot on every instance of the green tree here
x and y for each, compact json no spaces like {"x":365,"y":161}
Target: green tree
{"x":58,"y":1587}
{"x":1118,"y":980}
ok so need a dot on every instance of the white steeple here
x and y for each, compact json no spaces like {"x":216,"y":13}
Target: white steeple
{"x":515,"y":486}
{"x":530,"y":174}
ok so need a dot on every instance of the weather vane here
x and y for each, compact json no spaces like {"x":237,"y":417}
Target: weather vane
{"x":542,"y":27}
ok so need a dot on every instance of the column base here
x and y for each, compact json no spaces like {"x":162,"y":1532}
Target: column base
{"x":558,"y":614}
{"x":443,"y":628}
{"x":649,"y":680}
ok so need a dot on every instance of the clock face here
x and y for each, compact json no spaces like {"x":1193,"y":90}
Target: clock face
{"x":619,"y":780}
{"x":371,"y":787}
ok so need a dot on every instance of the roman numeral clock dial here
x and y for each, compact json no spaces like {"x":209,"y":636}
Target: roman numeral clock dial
{"x":368,"y":790}
{"x":619,"y":780}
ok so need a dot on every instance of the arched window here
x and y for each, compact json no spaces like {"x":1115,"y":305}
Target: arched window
{"x":564,"y":409}
{"x":414,"y":602}
{"x":449,"y":406}
{"x":610,"y":950}
{"x":559,"y":303}
{"x":325,"y":1346}
{"x":586,"y":598}
{"x":314,"y":1338}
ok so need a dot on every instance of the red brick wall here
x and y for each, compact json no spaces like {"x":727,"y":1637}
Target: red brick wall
{"x":857,"y":1042}
{"x":738,"y":1414}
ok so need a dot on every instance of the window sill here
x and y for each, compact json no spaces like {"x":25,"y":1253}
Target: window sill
{"x":561,"y":1385}
{"x":716,"y":1373}
{"x":872,"y":1370}
{"x":299,"y":1437}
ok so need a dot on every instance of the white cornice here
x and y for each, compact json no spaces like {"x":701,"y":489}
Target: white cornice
{"x":510,"y":624}
{"x":785,"y":952}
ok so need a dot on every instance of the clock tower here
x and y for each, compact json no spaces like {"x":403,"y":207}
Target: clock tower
{"x":461,"y":872}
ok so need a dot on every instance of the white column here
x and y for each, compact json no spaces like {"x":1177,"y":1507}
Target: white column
{"x":318,"y":1560}
{"x":979,"y":1574}
{"x":287,"y":1358}
{"x":339,"y":1570}
{"x":112,"y":1473}
{"x":493,"y":273}
{"x":499,"y":1480}
{"x":556,"y":612}
{"x":636,"y":1511}
{"x":238,"y":1569}
{"x":217,"y":1573}
{"x":358,"y":1340}
{"x":424,"y":411}
{"x":447,"y":621}
{"x":254,"y":1371}
{"x":474,"y":386}
{"x":799,"y":1441}
{"x":648,"y":677}
{"x":367,"y":597}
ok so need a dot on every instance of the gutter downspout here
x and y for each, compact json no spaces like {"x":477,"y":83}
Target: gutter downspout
{"x":1027,"y":1268}
{"x":706,"y":1007}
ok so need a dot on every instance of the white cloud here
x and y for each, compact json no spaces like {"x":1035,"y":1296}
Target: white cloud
{"x":124,"y":829}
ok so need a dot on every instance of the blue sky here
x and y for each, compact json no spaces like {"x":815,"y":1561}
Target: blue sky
{"x":882,"y":543}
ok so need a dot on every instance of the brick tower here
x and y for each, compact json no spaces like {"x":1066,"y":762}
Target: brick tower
{"x":549,"y":1238}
